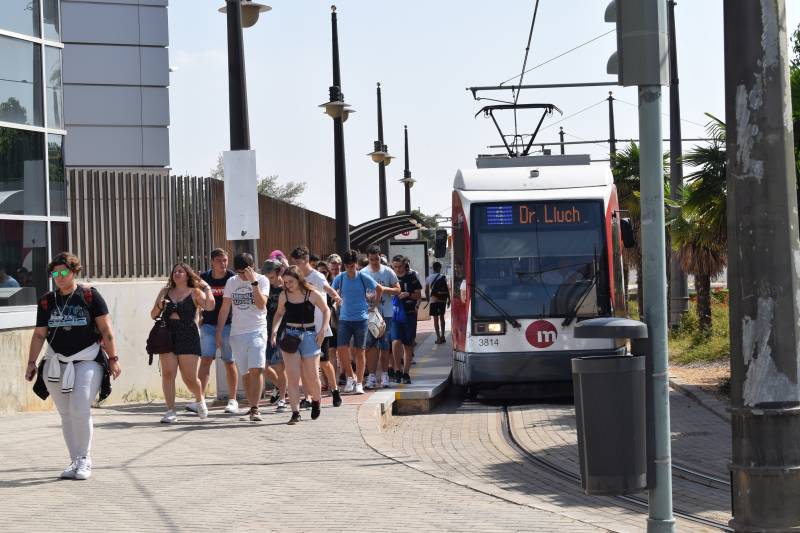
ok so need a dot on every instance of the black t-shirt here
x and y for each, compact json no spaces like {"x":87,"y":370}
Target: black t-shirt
{"x":409,"y":283}
{"x":272,"y":306}
{"x":217,"y":288}
{"x":70,"y":320}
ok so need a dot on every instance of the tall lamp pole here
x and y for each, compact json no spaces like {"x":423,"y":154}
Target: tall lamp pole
{"x":381,"y":156}
{"x":763,"y":255}
{"x":339,"y":112}
{"x":407,"y":180}
{"x":678,"y":288}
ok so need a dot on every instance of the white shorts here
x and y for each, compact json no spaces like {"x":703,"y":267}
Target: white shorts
{"x":249,"y":350}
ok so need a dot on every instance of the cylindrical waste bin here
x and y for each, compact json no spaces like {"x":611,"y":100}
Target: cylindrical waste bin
{"x":610,"y":413}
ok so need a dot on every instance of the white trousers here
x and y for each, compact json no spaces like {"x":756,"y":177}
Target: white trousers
{"x":75,"y":407}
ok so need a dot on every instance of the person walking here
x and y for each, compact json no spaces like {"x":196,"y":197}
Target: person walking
{"x":275,"y":370}
{"x":178,"y":303}
{"x":379,"y":350}
{"x":358,"y":289}
{"x":328,"y":361}
{"x":404,"y":323}
{"x":81,"y":357}
{"x":301,"y":340}
{"x":216,"y":278}
{"x":437,"y":292}
{"x":245,"y":295}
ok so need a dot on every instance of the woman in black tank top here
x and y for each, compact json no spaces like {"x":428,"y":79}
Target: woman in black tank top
{"x":296,"y":310}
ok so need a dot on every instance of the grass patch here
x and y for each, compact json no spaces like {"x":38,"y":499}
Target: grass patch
{"x":688,"y":344}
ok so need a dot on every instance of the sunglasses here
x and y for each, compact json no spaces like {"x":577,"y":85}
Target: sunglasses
{"x":64,"y":273}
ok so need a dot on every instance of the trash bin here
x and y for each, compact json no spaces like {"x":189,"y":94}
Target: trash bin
{"x":610,"y":412}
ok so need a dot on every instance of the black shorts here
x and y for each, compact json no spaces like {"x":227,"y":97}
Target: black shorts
{"x":438,"y":308}
{"x":324,"y":350}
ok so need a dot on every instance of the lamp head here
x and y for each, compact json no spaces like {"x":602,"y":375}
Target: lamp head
{"x":250,"y":12}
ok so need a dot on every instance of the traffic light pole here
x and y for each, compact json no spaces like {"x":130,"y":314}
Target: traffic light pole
{"x":763,"y":252}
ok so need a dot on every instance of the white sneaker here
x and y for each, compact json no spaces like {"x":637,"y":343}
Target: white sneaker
{"x":84,"y":468}
{"x":169,"y":418}
{"x":193,"y":407}
{"x":349,"y":386}
{"x":371,"y":383}
{"x":202,"y":411}
{"x":69,"y":472}
{"x":385,"y":381}
{"x":280,"y":406}
{"x":359,"y":388}
{"x":232,"y":408}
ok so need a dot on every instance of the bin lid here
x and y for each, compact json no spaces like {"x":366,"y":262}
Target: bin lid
{"x":610,"y":328}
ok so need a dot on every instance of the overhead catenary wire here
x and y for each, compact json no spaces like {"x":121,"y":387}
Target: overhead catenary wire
{"x":664,"y":114}
{"x":525,"y":63}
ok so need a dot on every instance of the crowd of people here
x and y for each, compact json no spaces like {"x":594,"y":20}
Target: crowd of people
{"x":301,"y":324}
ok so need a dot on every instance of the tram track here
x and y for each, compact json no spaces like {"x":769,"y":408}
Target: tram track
{"x":698,"y":477}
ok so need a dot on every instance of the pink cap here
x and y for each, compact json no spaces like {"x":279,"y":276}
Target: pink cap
{"x":276,"y":253}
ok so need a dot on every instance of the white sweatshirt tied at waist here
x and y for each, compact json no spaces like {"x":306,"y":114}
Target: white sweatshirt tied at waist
{"x":52,"y":368}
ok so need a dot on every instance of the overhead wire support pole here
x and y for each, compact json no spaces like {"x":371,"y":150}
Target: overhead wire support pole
{"x":612,"y":139}
{"x":764,"y":258}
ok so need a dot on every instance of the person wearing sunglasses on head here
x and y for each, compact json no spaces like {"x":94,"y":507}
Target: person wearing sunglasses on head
{"x":80,"y":359}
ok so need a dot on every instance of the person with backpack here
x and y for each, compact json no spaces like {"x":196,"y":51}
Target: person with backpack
{"x":379,"y":349}
{"x":438,"y":293}
{"x":357,"y":289}
{"x":404,"y":318}
{"x":80,"y":359}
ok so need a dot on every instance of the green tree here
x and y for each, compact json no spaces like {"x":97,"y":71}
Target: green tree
{"x":288,"y":192}
{"x":700,"y":235}
{"x":429,"y":222}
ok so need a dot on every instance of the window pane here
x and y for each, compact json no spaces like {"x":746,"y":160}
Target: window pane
{"x":52,"y":20}
{"x":58,"y":238}
{"x":20,"y":16}
{"x":55,"y":91}
{"x":23,"y":262}
{"x":20,"y":82}
{"x":22,"y":186}
{"x":55,"y":160}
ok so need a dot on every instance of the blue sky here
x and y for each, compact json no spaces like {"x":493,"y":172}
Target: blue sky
{"x":424,"y":53}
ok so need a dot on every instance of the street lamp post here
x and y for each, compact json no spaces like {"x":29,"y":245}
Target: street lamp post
{"x":339,"y":111}
{"x":407,"y":180}
{"x":239,"y":14}
{"x":381,"y":156}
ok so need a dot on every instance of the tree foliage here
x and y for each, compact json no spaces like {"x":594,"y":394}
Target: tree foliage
{"x":427,"y":221}
{"x":288,"y":192}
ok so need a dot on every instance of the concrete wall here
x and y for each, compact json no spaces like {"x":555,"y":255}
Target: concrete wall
{"x":129,"y":303}
{"x":116,"y":74}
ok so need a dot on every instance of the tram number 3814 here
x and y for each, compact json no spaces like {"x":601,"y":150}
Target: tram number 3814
{"x":488,"y":342}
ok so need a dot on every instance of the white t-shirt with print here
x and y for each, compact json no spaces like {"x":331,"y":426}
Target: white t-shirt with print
{"x":318,"y":281}
{"x":246,"y":316}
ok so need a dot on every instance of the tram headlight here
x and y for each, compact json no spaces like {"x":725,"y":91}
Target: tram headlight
{"x":488,"y":328}
{"x":494,"y":327}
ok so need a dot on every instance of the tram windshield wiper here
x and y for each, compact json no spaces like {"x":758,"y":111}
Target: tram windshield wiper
{"x":503,"y":313}
{"x":572,"y":315}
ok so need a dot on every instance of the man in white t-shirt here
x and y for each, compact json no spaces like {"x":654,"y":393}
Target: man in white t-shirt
{"x":380,"y":350}
{"x":246,"y":296}
{"x":300,"y":258}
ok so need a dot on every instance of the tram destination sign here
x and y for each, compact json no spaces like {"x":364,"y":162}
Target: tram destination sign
{"x":544,"y":213}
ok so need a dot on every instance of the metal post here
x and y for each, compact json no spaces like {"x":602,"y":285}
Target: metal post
{"x":237,"y":96}
{"x":763,"y":251}
{"x":407,"y":173}
{"x":383,"y":207}
{"x":561,"y":137}
{"x":655,"y":304}
{"x":678,"y":287}
{"x":612,"y":137}
{"x":340,"y":172}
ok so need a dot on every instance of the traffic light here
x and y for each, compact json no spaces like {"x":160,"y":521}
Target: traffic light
{"x":642,"y":56}
{"x":440,"y":243}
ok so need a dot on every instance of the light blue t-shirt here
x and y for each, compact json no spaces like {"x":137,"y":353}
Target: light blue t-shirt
{"x":387,"y":278}
{"x":354,"y":295}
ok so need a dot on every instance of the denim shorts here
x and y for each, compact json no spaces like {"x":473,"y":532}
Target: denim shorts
{"x":352,"y":329}
{"x":249,"y":350}
{"x":208,"y":342}
{"x":274,"y":356}
{"x":405,"y":331}
{"x":384,"y":342}
{"x":308,"y":341}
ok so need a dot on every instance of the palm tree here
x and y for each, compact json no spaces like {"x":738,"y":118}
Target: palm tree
{"x":700,"y":231}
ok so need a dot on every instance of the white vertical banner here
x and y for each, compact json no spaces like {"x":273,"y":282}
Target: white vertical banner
{"x":241,"y":197}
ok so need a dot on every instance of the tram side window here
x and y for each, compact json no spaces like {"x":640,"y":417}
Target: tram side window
{"x":620,"y":297}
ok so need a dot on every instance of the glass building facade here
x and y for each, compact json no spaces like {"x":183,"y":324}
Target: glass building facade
{"x":33,"y":206}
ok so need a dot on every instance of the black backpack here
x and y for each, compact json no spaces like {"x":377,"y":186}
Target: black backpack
{"x":439,"y":288}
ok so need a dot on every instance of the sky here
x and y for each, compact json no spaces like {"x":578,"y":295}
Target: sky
{"x":424,"y":54}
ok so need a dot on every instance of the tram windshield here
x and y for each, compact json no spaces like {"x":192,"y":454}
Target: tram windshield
{"x":540,"y":259}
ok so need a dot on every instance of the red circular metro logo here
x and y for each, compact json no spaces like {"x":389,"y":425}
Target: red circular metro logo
{"x":541,"y":334}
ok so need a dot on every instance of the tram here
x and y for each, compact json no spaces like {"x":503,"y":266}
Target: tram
{"x":536,"y":248}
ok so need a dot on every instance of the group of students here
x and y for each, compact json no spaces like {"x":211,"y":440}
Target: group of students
{"x":300,"y":316}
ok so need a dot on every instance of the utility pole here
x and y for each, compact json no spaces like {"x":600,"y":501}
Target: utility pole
{"x":678,"y":288}
{"x":763,"y":251}
{"x":612,"y":138}
{"x":561,"y":137}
